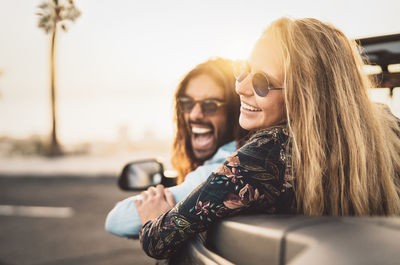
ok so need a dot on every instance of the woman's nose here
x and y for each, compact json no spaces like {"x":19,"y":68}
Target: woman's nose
{"x":244,"y":87}
{"x":196,"y":112}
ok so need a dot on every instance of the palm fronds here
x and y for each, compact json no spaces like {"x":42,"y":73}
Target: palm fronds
{"x":52,"y":13}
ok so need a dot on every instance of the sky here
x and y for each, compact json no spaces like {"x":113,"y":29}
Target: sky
{"x":120,"y":62}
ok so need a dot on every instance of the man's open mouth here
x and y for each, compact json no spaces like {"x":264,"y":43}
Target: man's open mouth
{"x":202,"y":136}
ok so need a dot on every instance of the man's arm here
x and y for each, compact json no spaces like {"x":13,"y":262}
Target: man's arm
{"x":123,"y":220}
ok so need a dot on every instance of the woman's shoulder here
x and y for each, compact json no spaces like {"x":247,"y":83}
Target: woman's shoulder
{"x":274,"y":135}
{"x":266,"y":143}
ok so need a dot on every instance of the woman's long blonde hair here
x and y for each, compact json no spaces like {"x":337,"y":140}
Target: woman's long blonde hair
{"x":345,"y":149}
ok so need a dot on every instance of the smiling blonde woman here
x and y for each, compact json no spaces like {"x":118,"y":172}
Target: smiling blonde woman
{"x":345,"y":148}
{"x":321,"y":146}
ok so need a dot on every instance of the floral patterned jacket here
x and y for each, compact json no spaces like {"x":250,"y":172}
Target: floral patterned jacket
{"x":255,"y":179}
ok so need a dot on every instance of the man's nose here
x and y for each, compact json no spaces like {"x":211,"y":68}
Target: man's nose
{"x":196,"y":113}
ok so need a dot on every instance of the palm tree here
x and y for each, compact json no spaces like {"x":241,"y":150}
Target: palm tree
{"x":51,"y":15}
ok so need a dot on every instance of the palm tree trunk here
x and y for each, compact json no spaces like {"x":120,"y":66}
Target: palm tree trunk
{"x":55,"y":149}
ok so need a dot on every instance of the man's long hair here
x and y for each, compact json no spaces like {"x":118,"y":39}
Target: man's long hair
{"x":345,"y":149}
{"x":220,"y":71}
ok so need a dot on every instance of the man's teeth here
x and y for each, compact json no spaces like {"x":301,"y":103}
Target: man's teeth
{"x":200,"y":130}
{"x":250,"y":108}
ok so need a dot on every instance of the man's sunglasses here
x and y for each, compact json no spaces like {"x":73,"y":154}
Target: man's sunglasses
{"x":259,"y":80}
{"x":208,"y":106}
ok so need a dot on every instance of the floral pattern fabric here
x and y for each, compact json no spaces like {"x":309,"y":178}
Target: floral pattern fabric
{"x":255,"y":179}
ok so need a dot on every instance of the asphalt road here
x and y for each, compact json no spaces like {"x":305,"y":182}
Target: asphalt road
{"x":70,"y":230}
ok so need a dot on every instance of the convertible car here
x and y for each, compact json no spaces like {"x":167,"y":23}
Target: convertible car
{"x":294,"y":240}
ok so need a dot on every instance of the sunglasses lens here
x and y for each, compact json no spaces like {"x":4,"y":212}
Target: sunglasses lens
{"x":260,"y":84}
{"x":186,"y":104}
{"x":209,"y":107}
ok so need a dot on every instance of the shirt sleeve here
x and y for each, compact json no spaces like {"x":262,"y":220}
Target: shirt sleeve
{"x":123,"y":220}
{"x":249,"y":181}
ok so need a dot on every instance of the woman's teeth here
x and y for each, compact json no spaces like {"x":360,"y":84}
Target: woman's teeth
{"x":250,"y":108}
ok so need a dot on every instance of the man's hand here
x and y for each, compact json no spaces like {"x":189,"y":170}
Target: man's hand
{"x":155,"y":201}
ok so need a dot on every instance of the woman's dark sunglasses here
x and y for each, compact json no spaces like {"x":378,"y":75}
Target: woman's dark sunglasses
{"x":259,"y":80}
{"x":208,"y":106}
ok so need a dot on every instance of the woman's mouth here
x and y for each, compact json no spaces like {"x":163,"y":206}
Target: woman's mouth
{"x":249,"y":107}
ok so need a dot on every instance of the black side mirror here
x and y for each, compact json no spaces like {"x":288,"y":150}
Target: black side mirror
{"x":140,"y":175}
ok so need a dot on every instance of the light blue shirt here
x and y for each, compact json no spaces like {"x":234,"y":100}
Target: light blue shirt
{"x":123,"y":220}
